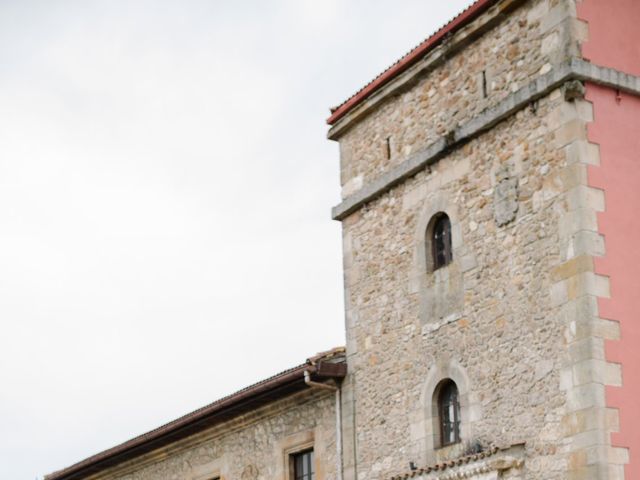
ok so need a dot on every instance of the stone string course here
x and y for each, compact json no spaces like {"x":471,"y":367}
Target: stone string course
{"x":575,"y":69}
{"x":526,"y":44}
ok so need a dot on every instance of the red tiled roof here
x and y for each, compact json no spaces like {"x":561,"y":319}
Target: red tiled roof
{"x":249,"y":398}
{"x":448,"y":464}
{"x":465,"y":17}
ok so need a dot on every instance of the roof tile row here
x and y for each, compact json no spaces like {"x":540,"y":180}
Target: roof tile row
{"x":412,"y":57}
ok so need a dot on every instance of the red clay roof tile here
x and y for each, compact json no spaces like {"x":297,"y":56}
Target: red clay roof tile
{"x":462,"y":19}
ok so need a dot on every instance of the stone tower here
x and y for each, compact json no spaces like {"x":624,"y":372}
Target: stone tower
{"x":489,"y":180}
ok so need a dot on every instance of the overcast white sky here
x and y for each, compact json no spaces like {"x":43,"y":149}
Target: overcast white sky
{"x":165,"y":186}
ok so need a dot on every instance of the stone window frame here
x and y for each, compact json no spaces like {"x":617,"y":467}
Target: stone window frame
{"x":429,"y":214}
{"x":427,"y":282}
{"x":431,"y":247}
{"x":444,"y":385}
{"x":292,"y":445}
{"x":470,"y":407}
{"x":302,"y":453}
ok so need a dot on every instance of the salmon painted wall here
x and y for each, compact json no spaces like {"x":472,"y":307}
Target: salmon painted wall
{"x":614,"y":33}
{"x":614,"y":41}
{"x":616,"y":128}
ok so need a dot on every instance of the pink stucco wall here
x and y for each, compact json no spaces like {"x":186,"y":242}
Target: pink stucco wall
{"x":614,"y":41}
{"x":614,"y":33}
{"x":617,"y":129}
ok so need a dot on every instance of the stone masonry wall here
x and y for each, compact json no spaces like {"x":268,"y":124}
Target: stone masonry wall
{"x":252,"y":447}
{"x":513,"y":319}
{"x":524,"y":45}
{"x":507,"y":333}
{"x":614,"y":41}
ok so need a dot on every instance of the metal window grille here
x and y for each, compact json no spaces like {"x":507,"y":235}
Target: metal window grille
{"x":303,"y":466}
{"x":449,"y":410}
{"x":441,"y":241}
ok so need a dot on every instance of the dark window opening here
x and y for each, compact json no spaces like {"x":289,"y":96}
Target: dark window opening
{"x":449,"y":414}
{"x":485,"y":92}
{"x":441,"y":242}
{"x":303,"y":468}
{"x":388,"y":148}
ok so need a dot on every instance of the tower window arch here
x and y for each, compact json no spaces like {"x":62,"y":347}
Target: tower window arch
{"x":448,"y":401}
{"x":440,"y":240}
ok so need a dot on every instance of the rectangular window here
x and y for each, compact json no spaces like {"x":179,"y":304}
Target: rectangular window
{"x":303,"y":465}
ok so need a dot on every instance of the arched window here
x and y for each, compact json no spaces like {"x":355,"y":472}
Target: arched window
{"x":441,"y":241}
{"x":449,"y":413}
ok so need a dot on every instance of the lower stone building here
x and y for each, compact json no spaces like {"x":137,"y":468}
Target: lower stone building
{"x":277,"y":428}
{"x":489,"y":185}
